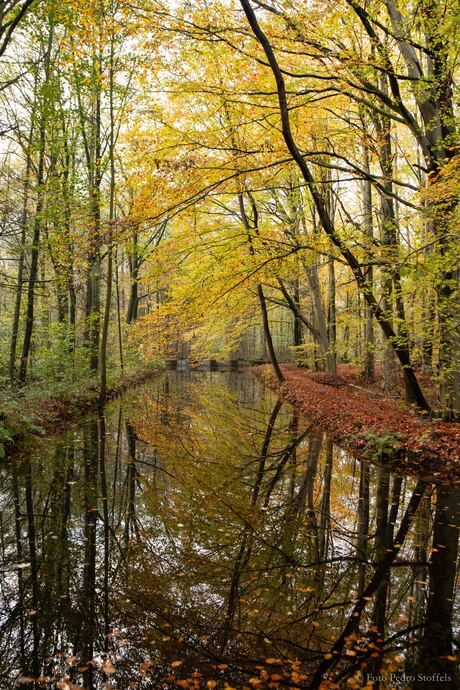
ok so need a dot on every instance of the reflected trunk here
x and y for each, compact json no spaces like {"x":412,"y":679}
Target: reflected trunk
{"x":438,"y":654}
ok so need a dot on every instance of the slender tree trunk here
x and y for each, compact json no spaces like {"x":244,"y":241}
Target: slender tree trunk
{"x":389,"y":239}
{"x":319,"y":319}
{"x":19,"y":554}
{"x":20,"y":277}
{"x":91,"y":442}
{"x":38,"y":219}
{"x":268,"y":335}
{"x":93,"y":298}
{"x":363,"y":522}
{"x":93,"y":152}
{"x":297,"y":331}
{"x":105,"y":516}
{"x":369,"y":337}
{"x":68,"y":189}
{"x":332,"y":313}
{"x":133,"y":302}
{"x":260,"y":292}
{"x":34,"y":567}
{"x":131,"y":473}
{"x":119,"y":331}
{"x":381,"y":547}
{"x":108,"y":294}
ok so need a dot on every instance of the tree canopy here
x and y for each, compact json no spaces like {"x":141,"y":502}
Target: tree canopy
{"x":231,"y":180}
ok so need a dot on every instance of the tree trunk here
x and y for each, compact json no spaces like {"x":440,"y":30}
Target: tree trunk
{"x":332,"y":313}
{"x":438,"y":636}
{"x":327,"y":359}
{"x":133,"y":262}
{"x":108,"y":294}
{"x":268,"y":335}
{"x":260,"y":292}
{"x":20,"y":276}
{"x":369,"y":337}
{"x":363,"y":522}
{"x":297,"y":331}
{"x":38,"y":219}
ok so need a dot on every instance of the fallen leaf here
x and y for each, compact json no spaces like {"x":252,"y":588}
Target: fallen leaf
{"x":108,"y":667}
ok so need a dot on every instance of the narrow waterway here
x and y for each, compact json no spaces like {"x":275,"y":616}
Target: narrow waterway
{"x":201,"y":534}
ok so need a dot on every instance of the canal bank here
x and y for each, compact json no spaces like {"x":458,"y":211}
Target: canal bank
{"x":371,"y":428}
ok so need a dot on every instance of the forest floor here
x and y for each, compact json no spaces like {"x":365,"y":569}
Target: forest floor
{"x":359,"y":418}
{"x":31,"y":411}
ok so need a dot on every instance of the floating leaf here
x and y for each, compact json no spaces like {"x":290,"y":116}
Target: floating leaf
{"x":108,"y":667}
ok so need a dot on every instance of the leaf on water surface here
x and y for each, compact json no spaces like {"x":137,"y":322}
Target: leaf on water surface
{"x":108,"y":667}
{"x":146,"y":666}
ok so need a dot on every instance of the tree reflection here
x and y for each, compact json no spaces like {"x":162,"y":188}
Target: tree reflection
{"x":203,"y":532}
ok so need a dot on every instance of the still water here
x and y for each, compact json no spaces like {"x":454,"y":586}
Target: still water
{"x":201,"y":534}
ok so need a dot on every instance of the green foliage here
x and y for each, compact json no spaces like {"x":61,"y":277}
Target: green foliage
{"x":5,"y":436}
{"x":55,"y":359}
{"x":380,"y":445}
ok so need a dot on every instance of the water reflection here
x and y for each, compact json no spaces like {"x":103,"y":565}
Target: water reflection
{"x":201,"y":534}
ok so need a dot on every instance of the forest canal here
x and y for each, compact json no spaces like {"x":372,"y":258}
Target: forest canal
{"x":203,"y":535}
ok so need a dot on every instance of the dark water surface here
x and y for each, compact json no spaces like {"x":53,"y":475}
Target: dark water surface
{"x":203,"y":535}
